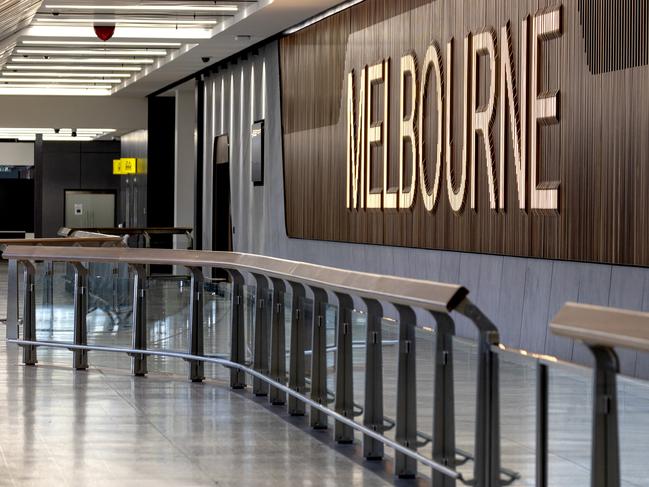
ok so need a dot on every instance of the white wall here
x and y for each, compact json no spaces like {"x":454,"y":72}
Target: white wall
{"x":16,"y":153}
{"x":122,"y":114}
{"x":185,"y":162}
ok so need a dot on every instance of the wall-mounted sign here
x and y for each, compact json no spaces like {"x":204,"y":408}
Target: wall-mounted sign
{"x":479,"y":126}
{"x":125,"y":166}
{"x":257,"y":153}
{"x":369,"y":137}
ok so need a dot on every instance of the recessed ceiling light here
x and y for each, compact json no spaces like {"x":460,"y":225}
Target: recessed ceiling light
{"x":110,"y":43}
{"x":26,"y":67}
{"x":59,"y":80}
{"x":28,"y":134}
{"x":178,"y":33}
{"x":53,"y":90}
{"x":83,"y":60}
{"x":56,"y":138}
{"x":92,"y":52}
{"x":89,"y":20}
{"x":40,"y":74}
{"x":37,"y":84}
{"x":148,"y":8}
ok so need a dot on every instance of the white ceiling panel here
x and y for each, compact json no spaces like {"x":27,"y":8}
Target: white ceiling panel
{"x":155,"y":42}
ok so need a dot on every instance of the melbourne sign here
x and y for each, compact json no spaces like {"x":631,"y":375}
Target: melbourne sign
{"x":524,"y":111}
{"x":488,"y":126}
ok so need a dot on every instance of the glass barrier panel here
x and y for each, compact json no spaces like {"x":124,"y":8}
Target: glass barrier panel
{"x":168,"y":300}
{"x":58,"y":291}
{"x":54,"y":288}
{"x":359,"y":357}
{"x":569,"y":425}
{"x":217,"y":329}
{"x":44,"y":289}
{"x":288,"y":319}
{"x":517,"y":377}
{"x":249,"y":314}
{"x":331,"y":323}
{"x":110,"y":318}
{"x":268,"y":309}
{"x":465,"y":376}
{"x":390,"y":349}
{"x":633,"y":409}
{"x":306,"y":305}
{"x":425,"y":340}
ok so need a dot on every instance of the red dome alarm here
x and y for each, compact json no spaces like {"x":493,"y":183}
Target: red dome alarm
{"x":105,"y":31}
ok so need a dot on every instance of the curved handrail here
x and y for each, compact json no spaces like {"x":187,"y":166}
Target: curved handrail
{"x":404,"y":293}
{"x":603,"y":326}
{"x":78,"y":238}
{"x":397,"y":290}
{"x":129,"y":230}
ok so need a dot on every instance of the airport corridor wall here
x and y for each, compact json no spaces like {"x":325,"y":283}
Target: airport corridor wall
{"x":520,"y":294}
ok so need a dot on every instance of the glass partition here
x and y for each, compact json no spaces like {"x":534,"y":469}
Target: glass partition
{"x":306,"y":305}
{"x":425,"y":378}
{"x":465,"y":376}
{"x":570,"y":399}
{"x":517,"y":376}
{"x":359,"y":357}
{"x":288,"y":319}
{"x":110,"y":320}
{"x":569,"y":425}
{"x":217,"y":329}
{"x":54,"y":288}
{"x":633,"y":410}
{"x":390,"y":348}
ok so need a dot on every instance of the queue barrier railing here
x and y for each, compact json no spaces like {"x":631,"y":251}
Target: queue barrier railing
{"x":603,"y":330}
{"x":74,"y":238}
{"x":140,"y":235}
{"x":440,"y":300}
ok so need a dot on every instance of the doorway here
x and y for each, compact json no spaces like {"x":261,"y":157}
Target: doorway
{"x":221,"y":211}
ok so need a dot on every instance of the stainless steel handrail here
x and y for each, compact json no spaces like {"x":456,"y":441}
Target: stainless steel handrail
{"x":602,"y":330}
{"x":269,"y":369}
{"x":397,"y":290}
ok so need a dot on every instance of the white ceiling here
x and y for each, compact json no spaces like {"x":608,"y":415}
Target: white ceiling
{"x":156,"y":42}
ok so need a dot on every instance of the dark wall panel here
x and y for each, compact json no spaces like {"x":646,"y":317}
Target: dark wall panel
{"x":70,"y":165}
{"x":161,"y":155}
{"x":17,"y":203}
{"x":599,"y":150}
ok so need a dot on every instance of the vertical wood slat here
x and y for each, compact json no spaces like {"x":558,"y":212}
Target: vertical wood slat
{"x":596,"y":151}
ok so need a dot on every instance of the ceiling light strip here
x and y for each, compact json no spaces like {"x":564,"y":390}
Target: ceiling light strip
{"x":59,"y":80}
{"x":46,"y":67}
{"x":53,"y":91}
{"x":146,"y":8}
{"x":322,"y":16}
{"x":111,"y":43}
{"x":82,"y":60}
{"x":118,"y":20}
{"x":45,"y":74}
{"x":92,"y":52}
{"x":54,"y":85}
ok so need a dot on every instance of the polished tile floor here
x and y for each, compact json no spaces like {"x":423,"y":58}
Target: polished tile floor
{"x":104,"y":427}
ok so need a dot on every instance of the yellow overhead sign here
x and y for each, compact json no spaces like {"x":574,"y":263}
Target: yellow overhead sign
{"x":124,"y":166}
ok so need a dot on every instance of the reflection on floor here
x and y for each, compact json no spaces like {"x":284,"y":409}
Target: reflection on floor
{"x":104,"y":426}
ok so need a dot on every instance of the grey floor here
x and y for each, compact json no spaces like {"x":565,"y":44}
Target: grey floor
{"x":103,"y":427}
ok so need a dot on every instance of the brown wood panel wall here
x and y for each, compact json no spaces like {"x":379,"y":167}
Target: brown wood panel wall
{"x":599,"y":151}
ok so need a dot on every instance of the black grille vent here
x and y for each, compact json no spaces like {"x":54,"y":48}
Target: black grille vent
{"x":615,"y":33}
